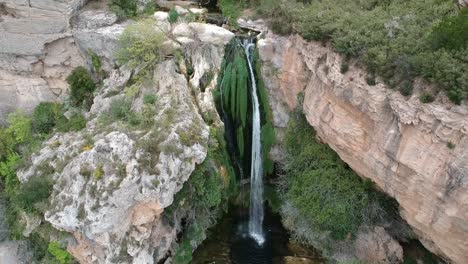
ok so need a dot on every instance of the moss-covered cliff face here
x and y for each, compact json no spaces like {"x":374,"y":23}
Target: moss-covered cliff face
{"x":234,"y":101}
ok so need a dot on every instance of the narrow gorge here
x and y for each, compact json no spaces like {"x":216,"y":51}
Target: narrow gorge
{"x":141,"y":131}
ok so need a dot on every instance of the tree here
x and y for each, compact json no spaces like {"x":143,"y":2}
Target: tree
{"x":81,"y":86}
{"x":140,"y":44}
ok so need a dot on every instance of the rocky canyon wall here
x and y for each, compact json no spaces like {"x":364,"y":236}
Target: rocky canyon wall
{"x":399,"y":143}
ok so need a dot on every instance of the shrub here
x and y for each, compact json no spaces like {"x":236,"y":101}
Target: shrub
{"x":456,"y":95}
{"x":81,"y":87}
{"x":123,"y":8}
{"x":406,"y":88}
{"x":328,"y":195}
{"x":36,"y":189}
{"x":149,"y":99}
{"x":61,"y":255}
{"x":45,"y":117}
{"x":173,"y":16}
{"x":344,"y":68}
{"x":452,"y":32}
{"x":120,"y":109}
{"x":371,"y":80}
{"x":99,"y":172}
{"x":150,"y":8}
{"x":96,"y":62}
{"x":426,"y":98}
{"x":140,"y":44}
{"x":231,"y":10}
{"x":7,"y":143}
{"x":393,"y":39}
{"x":450,"y":145}
{"x":19,"y":127}
{"x":76,"y":122}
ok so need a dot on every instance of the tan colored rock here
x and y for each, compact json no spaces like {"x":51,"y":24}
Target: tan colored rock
{"x":377,"y":246}
{"x":397,"y":142}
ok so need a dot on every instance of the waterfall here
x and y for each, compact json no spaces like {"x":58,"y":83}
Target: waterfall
{"x":256,"y":174}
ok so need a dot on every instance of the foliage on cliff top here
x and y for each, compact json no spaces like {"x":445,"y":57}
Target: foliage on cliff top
{"x":141,"y":44}
{"x":396,"y":40}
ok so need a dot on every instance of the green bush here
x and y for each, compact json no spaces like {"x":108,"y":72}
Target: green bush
{"x":19,"y":127}
{"x":396,"y":40}
{"x":37,"y":189}
{"x":406,"y":88}
{"x":426,"y":98}
{"x":150,"y":8}
{"x":76,"y":122}
{"x":120,"y":109}
{"x":452,"y":32}
{"x":61,"y":255}
{"x":7,"y":143}
{"x":173,"y":16}
{"x":81,"y":87}
{"x":123,"y":8}
{"x":450,"y":145}
{"x":231,"y":10}
{"x":45,"y":117}
{"x":96,"y":62}
{"x":149,"y":99}
{"x":371,"y":80}
{"x":344,"y":68}
{"x":140,"y":44}
{"x":328,"y":195}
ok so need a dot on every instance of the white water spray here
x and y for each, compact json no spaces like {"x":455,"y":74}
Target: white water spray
{"x":256,"y":173}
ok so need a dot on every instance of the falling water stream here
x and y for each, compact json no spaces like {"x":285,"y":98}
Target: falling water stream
{"x":252,"y":235}
{"x":256,"y":180}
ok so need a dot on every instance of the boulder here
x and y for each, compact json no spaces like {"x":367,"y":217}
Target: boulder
{"x":181,"y":11}
{"x":377,"y":246}
{"x":205,"y":33}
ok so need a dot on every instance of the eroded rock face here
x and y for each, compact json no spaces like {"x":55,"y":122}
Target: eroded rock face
{"x":113,"y":182}
{"x":96,"y":31}
{"x":37,"y":51}
{"x":397,"y":142}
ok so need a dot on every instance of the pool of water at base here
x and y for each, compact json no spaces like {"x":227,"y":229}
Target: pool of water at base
{"x":229,"y":243}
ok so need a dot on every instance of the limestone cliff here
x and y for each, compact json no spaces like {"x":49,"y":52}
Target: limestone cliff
{"x":37,"y":51}
{"x":113,"y":182}
{"x":399,"y":143}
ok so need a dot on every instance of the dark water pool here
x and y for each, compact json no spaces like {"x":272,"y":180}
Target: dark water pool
{"x":229,"y":243}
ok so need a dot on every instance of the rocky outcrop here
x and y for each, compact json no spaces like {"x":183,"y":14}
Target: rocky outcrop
{"x":377,"y":246}
{"x":112,"y":181}
{"x":97,"y":33}
{"x":416,"y":153}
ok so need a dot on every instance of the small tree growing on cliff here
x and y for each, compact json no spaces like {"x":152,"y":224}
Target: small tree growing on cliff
{"x":140,"y":44}
{"x":81,"y":87}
